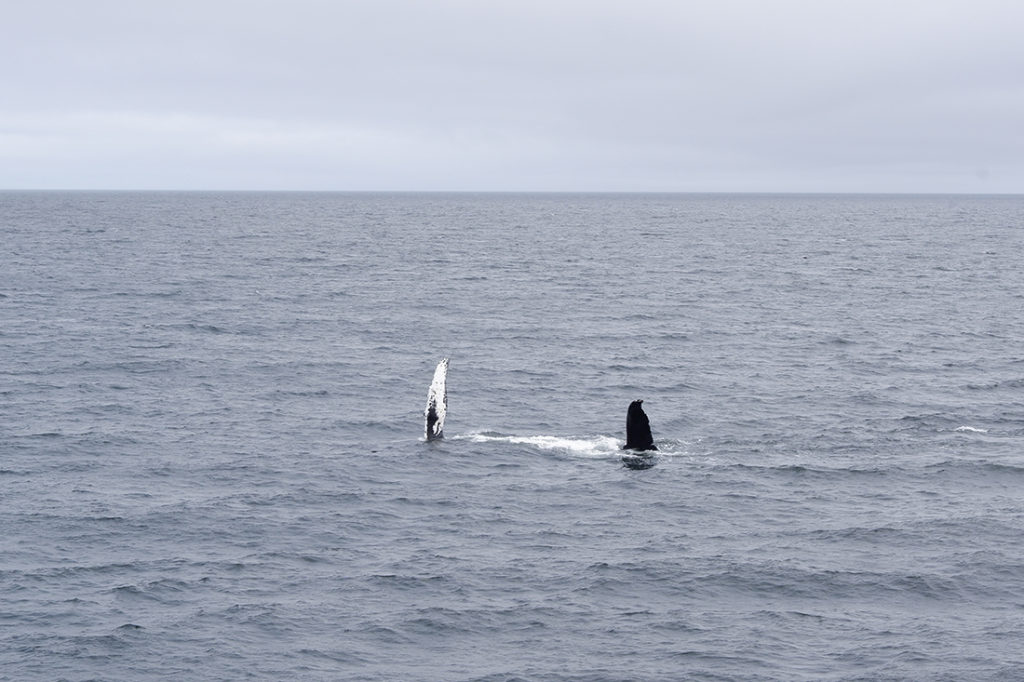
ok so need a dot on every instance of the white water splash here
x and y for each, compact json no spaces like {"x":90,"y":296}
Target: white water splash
{"x":970,"y":429}
{"x":598,"y":446}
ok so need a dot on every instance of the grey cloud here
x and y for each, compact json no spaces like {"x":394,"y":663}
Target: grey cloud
{"x":787,"y":96}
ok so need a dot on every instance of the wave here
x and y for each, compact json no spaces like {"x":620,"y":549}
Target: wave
{"x":795,"y":469}
{"x":976,"y":465}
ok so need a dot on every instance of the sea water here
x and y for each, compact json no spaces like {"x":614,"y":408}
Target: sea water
{"x":213,"y":464}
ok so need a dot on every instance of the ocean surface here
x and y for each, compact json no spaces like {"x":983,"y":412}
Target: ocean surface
{"x":212,"y":461}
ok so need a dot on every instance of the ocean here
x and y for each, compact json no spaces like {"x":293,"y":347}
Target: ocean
{"x":213,"y":463}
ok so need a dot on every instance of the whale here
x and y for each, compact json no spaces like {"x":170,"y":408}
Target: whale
{"x":639,"y":442}
{"x":638,"y":428}
{"x":437,"y":402}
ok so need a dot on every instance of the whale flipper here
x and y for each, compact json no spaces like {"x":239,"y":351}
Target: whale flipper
{"x":638,"y":428}
{"x":437,"y":402}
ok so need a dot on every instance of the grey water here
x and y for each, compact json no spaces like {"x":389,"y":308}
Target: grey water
{"x":213,"y":465}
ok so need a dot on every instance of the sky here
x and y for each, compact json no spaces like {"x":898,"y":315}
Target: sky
{"x":514,"y":95}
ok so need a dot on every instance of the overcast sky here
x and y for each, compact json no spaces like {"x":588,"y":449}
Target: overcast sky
{"x":635,"y":95}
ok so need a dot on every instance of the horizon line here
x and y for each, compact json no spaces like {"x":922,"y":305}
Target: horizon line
{"x":513,"y":191}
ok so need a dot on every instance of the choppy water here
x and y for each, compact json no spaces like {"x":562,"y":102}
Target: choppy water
{"x":212,"y":463}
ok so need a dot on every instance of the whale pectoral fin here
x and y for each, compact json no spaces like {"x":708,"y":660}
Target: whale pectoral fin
{"x":437,"y":402}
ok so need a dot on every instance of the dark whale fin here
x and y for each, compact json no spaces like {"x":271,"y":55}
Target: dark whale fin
{"x":437,"y":402}
{"x":638,"y":428}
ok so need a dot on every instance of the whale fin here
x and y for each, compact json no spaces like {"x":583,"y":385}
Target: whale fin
{"x":437,"y":402}
{"x":638,"y":428}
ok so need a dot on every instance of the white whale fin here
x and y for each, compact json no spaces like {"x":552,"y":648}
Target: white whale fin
{"x":437,"y":402}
